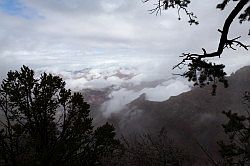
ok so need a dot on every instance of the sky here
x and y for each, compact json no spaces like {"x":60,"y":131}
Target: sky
{"x":63,"y":35}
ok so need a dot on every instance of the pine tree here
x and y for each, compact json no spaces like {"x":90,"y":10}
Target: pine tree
{"x":43,"y":123}
{"x":236,"y":150}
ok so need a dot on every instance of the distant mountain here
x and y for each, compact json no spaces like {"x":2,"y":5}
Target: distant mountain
{"x":190,"y":117}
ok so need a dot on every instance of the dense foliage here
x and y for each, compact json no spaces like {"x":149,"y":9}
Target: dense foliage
{"x":236,"y":150}
{"x":42,"y":123}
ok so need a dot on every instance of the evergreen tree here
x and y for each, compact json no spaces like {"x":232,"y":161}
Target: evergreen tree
{"x":236,"y":150}
{"x":43,"y":123}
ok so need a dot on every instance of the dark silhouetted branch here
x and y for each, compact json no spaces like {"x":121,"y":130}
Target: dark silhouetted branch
{"x":224,"y":41}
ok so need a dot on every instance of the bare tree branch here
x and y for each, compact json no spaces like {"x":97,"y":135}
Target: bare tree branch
{"x":224,"y":41}
{"x":180,"y":5}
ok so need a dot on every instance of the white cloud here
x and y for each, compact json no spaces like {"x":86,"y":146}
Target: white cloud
{"x":166,"y":90}
{"x":108,"y":34}
{"x":70,"y":31}
{"x":119,"y":99}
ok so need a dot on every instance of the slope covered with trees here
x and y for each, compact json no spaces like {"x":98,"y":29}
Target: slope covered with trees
{"x":190,"y":117}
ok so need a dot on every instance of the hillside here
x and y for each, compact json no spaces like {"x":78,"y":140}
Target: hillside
{"x":190,"y":117}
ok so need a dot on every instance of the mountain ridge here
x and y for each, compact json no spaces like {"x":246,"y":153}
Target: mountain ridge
{"x":192,"y":116}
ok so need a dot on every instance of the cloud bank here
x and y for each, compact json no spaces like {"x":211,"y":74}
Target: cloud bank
{"x":63,"y":37}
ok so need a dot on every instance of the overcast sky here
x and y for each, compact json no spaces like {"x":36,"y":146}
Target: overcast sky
{"x":74,"y":34}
